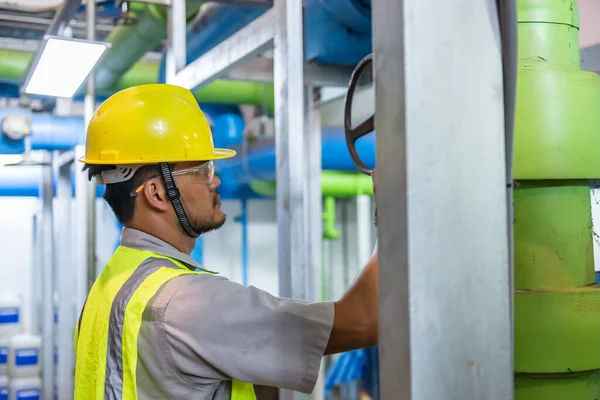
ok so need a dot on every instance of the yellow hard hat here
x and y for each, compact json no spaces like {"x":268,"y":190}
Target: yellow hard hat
{"x":150,"y":124}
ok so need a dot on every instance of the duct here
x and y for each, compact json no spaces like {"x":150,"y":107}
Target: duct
{"x":31,"y":5}
{"x":13,"y":64}
{"x":345,"y":24}
{"x":259,"y":162}
{"x":130,"y":41}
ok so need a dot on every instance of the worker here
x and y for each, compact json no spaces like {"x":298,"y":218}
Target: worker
{"x":156,"y":324}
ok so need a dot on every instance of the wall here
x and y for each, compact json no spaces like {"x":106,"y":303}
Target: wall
{"x":589,"y":27}
{"x":16,"y":227}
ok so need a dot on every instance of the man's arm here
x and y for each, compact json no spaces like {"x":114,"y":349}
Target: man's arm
{"x":356,"y":323}
{"x":216,"y":330}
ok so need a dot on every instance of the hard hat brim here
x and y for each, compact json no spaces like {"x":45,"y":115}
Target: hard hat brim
{"x":215,"y":154}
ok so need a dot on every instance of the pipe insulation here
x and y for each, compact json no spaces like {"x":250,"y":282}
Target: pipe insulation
{"x":557,"y":142}
{"x":142,"y":29}
{"x":13,"y":64}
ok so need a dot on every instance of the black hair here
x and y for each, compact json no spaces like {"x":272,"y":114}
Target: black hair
{"x":118,"y":195}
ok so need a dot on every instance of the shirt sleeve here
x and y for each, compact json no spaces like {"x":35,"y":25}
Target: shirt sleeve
{"x":218,"y":329}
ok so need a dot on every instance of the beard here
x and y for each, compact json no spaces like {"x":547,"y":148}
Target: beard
{"x":202,"y":227}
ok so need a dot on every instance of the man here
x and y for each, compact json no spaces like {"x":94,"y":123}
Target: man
{"x":156,"y":325}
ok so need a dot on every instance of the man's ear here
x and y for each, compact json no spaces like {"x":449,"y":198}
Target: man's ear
{"x":155,"y":195}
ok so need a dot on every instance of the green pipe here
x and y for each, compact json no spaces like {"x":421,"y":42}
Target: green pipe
{"x":13,"y":64}
{"x":329,"y":230}
{"x":130,"y":41}
{"x":557,"y":139}
{"x":333,"y":184}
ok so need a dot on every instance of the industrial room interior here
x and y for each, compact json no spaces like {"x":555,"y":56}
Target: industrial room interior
{"x":490,"y":256}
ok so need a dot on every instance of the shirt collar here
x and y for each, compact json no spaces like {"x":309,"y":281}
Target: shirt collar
{"x":139,"y":240}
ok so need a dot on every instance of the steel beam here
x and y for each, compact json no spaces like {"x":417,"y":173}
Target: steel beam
{"x":443,"y":273}
{"x":244,"y":45}
{"x":176,"y":48}
{"x":260,"y":69}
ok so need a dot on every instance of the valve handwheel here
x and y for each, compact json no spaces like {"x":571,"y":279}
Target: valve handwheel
{"x":368,"y":126}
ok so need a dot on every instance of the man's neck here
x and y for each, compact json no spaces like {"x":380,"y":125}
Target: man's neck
{"x":167,"y":233}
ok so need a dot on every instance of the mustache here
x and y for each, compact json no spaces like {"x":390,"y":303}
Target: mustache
{"x":216,"y":198}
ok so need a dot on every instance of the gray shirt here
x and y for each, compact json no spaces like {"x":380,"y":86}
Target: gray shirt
{"x":201,"y":331}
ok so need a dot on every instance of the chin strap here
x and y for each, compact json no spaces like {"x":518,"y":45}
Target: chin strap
{"x":173,"y":194}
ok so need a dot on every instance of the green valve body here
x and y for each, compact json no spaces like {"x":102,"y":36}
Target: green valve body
{"x":556,"y":154}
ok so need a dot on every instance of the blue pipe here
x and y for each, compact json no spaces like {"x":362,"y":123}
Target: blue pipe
{"x":49,"y":132}
{"x":24,"y":181}
{"x":260,"y":164}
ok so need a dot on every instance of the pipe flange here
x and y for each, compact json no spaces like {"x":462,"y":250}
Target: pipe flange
{"x":16,"y":127}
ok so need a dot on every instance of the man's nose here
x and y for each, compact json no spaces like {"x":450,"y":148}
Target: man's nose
{"x":215,"y":182}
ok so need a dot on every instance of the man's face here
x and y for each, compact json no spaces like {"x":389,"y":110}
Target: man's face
{"x":199,"y":196}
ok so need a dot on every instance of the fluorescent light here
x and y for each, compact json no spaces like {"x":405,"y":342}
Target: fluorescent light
{"x":63,"y":66}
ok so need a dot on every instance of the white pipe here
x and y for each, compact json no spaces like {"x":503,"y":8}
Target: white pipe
{"x":31,"y":5}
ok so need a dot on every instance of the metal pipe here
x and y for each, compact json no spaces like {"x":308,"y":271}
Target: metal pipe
{"x":90,"y":107}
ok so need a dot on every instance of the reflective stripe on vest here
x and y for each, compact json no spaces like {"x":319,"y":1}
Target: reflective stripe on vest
{"x":107,"y":332}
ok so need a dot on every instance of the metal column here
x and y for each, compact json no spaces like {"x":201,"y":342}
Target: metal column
{"x":90,"y":108}
{"x":444,"y":270}
{"x":298,"y":185}
{"x":67,"y":313}
{"x":290,"y":136}
{"x":48,"y":273}
{"x":176,"y":48}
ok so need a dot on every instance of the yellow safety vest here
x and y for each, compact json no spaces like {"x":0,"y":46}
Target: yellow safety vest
{"x":107,"y":333}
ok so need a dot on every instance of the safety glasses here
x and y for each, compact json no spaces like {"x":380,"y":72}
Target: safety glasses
{"x":203,"y":173}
